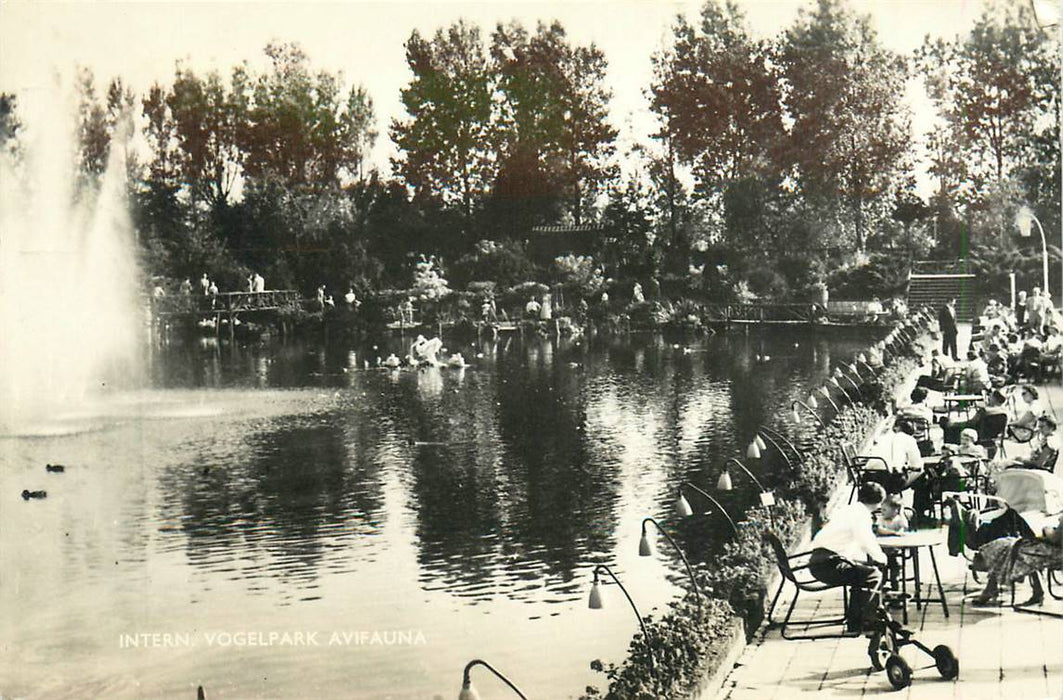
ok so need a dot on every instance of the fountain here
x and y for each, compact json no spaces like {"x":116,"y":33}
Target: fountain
{"x":68,"y":288}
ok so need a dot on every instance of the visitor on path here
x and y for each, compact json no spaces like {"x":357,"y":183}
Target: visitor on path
{"x":406,"y":312}
{"x":186,"y":287}
{"x":636,"y":294}
{"x":841,"y":550}
{"x":392,"y":362}
{"x":351,"y":299}
{"x":531,"y":309}
{"x":251,"y":282}
{"x":949,"y":331}
{"x":260,"y":283}
{"x":1034,"y":310}
{"x":321,"y":297}
{"x":204,"y":284}
{"x":1020,"y":309}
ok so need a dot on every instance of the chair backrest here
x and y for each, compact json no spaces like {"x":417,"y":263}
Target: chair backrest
{"x":781,"y":558}
{"x":992,"y":427}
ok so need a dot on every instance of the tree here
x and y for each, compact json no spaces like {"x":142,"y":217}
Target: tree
{"x":992,"y":85}
{"x":206,"y":121}
{"x":444,"y":142}
{"x":553,"y":135}
{"x":844,"y":94}
{"x":718,"y":99}
{"x":303,"y":129}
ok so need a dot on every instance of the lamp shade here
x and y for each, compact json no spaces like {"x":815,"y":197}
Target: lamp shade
{"x":594,"y":601}
{"x":682,"y":507}
{"x":753,"y":452}
{"x":835,"y":382}
{"x":761,"y":445}
{"x":852,"y":367}
{"x":823,"y":390}
{"x":468,"y":692}
{"x":862,"y":357}
{"x":812,"y":401}
{"x":1024,"y":220}
{"x":837,"y":373}
{"x":645,"y":546}
{"x":724,"y":482}
{"x":796,"y":415}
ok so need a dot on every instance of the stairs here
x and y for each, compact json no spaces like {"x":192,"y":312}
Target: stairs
{"x":932,"y":283}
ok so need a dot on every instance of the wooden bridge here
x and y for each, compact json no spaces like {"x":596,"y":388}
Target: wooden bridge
{"x":228,"y":303}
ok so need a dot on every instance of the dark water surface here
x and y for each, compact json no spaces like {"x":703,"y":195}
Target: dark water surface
{"x":383,"y":526}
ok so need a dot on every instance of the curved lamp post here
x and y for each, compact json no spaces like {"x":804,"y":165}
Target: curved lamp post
{"x":825,"y":393}
{"x":833,"y":381}
{"x":683,"y":509}
{"x":775,"y":438}
{"x":646,"y":550}
{"x":595,"y":602}
{"x":1024,"y":219}
{"x":469,"y":693}
{"x":797,"y":416}
{"x":839,"y":374}
{"x":767,"y":498}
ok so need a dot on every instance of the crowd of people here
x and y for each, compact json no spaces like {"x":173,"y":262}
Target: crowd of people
{"x":949,"y":438}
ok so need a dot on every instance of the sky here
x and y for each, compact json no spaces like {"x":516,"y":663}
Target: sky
{"x":141,"y":42}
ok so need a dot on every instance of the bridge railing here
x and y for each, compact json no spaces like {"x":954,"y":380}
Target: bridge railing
{"x":761,"y":312}
{"x":227,"y":302}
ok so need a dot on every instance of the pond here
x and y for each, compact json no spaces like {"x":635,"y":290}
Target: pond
{"x":275,"y":520}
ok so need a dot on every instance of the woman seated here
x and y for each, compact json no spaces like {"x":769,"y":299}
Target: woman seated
{"x":1044,"y":448}
{"x":1011,"y":559}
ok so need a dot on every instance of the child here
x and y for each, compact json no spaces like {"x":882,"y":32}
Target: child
{"x":891,"y":521}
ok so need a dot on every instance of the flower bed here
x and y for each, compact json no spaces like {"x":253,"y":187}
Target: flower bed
{"x":688,"y":643}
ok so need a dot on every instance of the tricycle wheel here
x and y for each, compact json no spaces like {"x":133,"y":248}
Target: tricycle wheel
{"x":898,"y":672}
{"x":880,"y":649}
{"x":947,"y":663}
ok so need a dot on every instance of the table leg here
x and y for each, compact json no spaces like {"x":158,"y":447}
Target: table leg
{"x":918,"y":579}
{"x":904,"y":586}
{"x":941,"y":591}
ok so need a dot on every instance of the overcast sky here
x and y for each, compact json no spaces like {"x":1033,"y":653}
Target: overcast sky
{"x":142,"y":41}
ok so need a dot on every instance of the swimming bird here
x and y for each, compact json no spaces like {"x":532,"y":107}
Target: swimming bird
{"x":27,"y":494}
{"x":55,"y":468}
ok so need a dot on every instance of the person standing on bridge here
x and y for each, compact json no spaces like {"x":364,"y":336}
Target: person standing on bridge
{"x":204,"y":284}
{"x":947,"y":323}
{"x":260,"y":283}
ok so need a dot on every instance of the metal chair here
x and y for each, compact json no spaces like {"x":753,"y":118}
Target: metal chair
{"x":794,"y":568}
{"x":856,"y":466}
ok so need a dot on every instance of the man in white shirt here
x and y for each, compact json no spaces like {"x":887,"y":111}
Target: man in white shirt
{"x":841,"y":550}
{"x":900,"y":451}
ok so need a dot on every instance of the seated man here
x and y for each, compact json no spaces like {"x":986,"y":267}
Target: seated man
{"x":1044,"y":448}
{"x":918,"y":407}
{"x":975,"y":374}
{"x":997,"y":365}
{"x":995,"y":406}
{"x":900,"y":451}
{"x":840,"y":553}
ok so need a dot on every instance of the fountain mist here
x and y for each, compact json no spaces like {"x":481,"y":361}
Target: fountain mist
{"x":68,"y":288}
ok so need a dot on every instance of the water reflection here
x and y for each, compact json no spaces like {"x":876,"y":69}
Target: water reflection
{"x":463,"y":502}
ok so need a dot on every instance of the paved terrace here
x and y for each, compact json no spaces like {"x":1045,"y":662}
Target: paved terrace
{"x":1002,"y":653}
